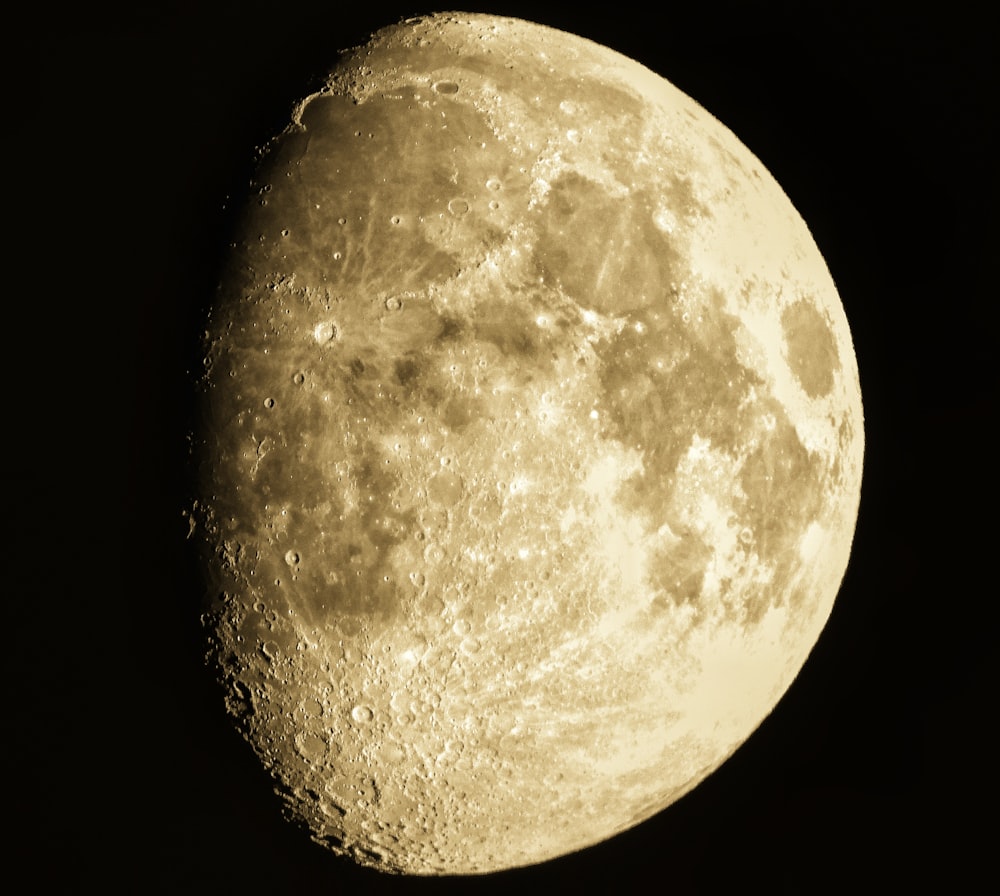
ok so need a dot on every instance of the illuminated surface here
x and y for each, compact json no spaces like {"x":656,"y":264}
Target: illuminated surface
{"x":532,"y":449}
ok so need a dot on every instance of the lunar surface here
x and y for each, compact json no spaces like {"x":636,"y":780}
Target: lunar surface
{"x":530,"y":453}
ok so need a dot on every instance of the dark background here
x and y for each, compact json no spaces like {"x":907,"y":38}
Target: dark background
{"x":137,"y":127}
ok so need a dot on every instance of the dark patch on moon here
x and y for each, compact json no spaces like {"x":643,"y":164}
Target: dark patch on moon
{"x":510,"y":329}
{"x":677,"y":572}
{"x":458,"y":412}
{"x":379,"y":245}
{"x":783,"y":487}
{"x":811,"y":350}
{"x":406,"y":370}
{"x":702,"y":392}
{"x":606,"y":253}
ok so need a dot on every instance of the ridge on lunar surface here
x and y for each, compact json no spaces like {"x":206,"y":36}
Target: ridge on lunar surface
{"x":531,"y":449}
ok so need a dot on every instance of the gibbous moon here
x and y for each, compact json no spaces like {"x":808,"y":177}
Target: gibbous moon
{"x":530,"y":454}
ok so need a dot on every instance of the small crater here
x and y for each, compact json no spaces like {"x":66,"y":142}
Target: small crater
{"x":445,"y":87}
{"x":311,"y":706}
{"x":362,"y":714}
{"x":393,"y":303}
{"x":326,"y":332}
{"x":269,"y":402}
{"x":458,"y":207}
{"x":292,"y":558}
{"x":311,"y":746}
{"x":470,"y":646}
{"x":299,"y":378}
{"x":665,"y":220}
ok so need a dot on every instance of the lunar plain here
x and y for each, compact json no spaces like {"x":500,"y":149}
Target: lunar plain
{"x":530,"y":453}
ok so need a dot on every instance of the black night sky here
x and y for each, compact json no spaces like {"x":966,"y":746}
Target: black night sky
{"x":138,"y":133}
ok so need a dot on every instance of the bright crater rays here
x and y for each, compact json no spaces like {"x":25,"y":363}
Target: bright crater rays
{"x":531,"y":449}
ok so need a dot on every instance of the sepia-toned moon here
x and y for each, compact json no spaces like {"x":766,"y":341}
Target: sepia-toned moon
{"x":530,"y":453}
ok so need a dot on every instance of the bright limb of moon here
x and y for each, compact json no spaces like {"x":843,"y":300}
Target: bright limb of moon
{"x":531,"y":451}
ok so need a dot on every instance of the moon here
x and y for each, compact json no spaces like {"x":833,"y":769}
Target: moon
{"x":530,"y":449}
